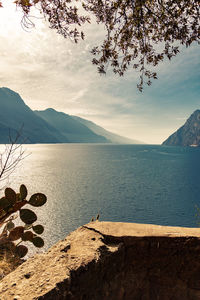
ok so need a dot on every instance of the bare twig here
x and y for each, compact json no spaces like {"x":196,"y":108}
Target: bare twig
{"x":12,"y":156}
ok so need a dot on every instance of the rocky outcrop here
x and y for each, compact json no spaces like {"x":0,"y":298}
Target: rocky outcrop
{"x":112,"y":261}
{"x":188,"y":134}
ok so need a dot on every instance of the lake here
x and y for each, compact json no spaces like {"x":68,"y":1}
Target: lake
{"x":128,"y":183}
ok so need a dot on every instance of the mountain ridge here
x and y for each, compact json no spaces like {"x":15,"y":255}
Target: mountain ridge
{"x":188,"y":134}
{"x":114,"y":138}
{"x":14,"y":114}
{"x":71,"y":129}
{"x":47,"y":126}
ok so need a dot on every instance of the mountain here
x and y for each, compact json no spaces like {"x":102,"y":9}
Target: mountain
{"x":48,"y":126}
{"x":112,"y":137}
{"x":188,"y":134}
{"x":74,"y":131}
{"x":14,"y":114}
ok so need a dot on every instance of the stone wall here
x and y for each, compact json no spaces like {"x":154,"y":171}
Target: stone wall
{"x":112,"y":261}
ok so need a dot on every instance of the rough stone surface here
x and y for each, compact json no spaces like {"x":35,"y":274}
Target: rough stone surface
{"x":112,"y":261}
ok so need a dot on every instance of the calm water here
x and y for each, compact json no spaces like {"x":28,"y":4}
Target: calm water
{"x":128,"y":183}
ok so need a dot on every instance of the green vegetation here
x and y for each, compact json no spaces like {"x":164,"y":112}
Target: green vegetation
{"x":17,"y":224}
{"x":11,"y":207}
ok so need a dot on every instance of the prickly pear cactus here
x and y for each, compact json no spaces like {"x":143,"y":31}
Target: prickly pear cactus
{"x":11,"y":207}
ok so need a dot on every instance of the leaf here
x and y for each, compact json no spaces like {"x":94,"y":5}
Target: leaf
{"x":38,"y":199}
{"x":4,"y":203}
{"x":82,"y":35}
{"x":26,"y":3}
{"x":38,"y":242}
{"x":28,"y":236}
{"x":16,"y":233}
{"x":27,"y":216}
{"x":10,"y":195}
{"x":18,"y":197}
{"x":38,"y":229}
{"x":21,"y":250}
{"x":10,"y":225}
{"x":23,"y":191}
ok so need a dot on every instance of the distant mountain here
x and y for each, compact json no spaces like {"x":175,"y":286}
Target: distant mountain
{"x":74,"y":131}
{"x":48,"y":126}
{"x":14,"y":113}
{"x":188,"y":134}
{"x":113,"y":138}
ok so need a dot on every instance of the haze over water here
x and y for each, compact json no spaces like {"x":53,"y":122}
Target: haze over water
{"x":127,"y":183}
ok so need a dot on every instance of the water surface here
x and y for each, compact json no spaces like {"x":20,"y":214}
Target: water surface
{"x":127,"y":183}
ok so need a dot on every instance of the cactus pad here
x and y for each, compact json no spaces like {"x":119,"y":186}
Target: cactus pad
{"x":23,"y":192}
{"x":10,"y":195}
{"x":27,"y":216}
{"x":38,"y":229}
{"x":38,"y":199}
{"x":4,"y":203}
{"x":16,"y":233}
{"x":27,"y":236}
{"x":21,"y":250}
{"x":38,"y":242}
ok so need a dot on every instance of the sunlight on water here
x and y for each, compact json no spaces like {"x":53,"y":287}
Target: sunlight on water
{"x":128,"y":183}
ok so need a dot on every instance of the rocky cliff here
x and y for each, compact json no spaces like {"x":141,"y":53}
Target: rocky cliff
{"x":112,"y":261}
{"x":188,"y":134}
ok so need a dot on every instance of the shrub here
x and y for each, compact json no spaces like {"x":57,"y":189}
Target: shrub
{"x":12,"y":206}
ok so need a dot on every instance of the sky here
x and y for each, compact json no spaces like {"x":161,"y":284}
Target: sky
{"x":50,"y":71}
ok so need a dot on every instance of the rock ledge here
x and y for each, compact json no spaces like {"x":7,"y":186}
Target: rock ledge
{"x":112,"y":261}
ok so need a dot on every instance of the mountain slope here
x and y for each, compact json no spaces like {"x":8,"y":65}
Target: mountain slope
{"x":48,"y":126}
{"x":112,"y":137}
{"x":73,"y":130}
{"x":14,"y":113}
{"x":188,"y":134}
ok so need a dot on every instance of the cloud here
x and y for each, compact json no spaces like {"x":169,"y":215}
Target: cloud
{"x":49,"y":71}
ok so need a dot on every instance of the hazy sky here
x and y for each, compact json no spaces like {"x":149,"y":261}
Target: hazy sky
{"x":49,"y":71}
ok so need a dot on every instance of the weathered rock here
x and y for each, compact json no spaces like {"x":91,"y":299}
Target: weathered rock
{"x":112,"y":261}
